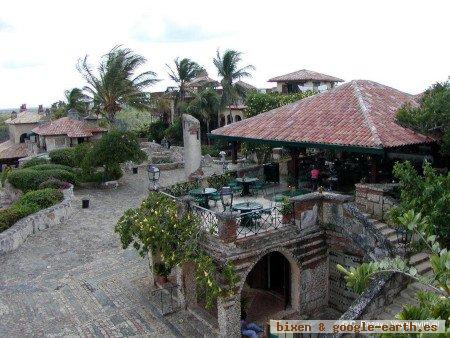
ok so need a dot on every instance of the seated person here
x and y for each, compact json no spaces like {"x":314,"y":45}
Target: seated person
{"x":249,"y":329}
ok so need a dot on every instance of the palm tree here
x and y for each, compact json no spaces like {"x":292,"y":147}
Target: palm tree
{"x":77,"y":100}
{"x":184,"y":72}
{"x":206,"y":104}
{"x":117,"y":85}
{"x":228,"y":68}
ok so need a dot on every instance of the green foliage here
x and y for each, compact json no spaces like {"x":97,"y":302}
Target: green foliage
{"x":35,"y":161}
{"x":211,"y":150}
{"x":261,"y":102}
{"x":72,"y":157}
{"x":157,"y":226}
{"x":174,"y":133}
{"x":181,"y":188}
{"x":218,"y":181}
{"x":153,"y":131}
{"x":433,"y":114}
{"x":162,"y":269}
{"x":358,"y":278}
{"x":50,"y":166}
{"x":29,"y":179}
{"x":429,"y":195}
{"x":5,"y":173}
{"x":286,"y":208}
{"x":263,"y":151}
{"x":114,"y":148}
{"x":28,"y":204}
{"x":54,"y":183}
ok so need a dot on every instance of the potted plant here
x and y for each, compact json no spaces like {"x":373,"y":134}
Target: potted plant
{"x":162,"y":272}
{"x":287,"y":211}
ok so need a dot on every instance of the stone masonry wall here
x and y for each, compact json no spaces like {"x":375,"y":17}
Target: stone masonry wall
{"x":13,"y":237}
{"x":374,"y":200}
{"x":314,"y":287}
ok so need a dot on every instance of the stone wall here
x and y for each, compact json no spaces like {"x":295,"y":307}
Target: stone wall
{"x":13,"y":237}
{"x":374,"y":199}
{"x":314,"y":287}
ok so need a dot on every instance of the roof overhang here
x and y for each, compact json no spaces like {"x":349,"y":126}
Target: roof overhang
{"x":277,"y":143}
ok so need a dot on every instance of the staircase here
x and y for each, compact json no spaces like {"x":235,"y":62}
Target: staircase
{"x":420,"y":261}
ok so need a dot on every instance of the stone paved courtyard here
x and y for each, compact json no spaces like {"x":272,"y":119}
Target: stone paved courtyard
{"x":75,"y":279}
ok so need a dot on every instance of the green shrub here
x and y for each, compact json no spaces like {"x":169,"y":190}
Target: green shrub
{"x":54,"y":183}
{"x":8,"y":217}
{"x":43,"y":198}
{"x":210,"y":150}
{"x":35,"y":161}
{"x":174,"y":133}
{"x":51,"y":166}
{"x":29,"y":179}
{"x":72,"y":157}
{"x":153,"y":131}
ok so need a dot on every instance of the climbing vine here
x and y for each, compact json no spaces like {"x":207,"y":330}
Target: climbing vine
{"x":174,"y":238}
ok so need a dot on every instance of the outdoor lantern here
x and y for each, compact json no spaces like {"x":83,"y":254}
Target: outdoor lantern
{"x":226,"y":196}
{"x":403,"y":237}
{"x":153,"y":175}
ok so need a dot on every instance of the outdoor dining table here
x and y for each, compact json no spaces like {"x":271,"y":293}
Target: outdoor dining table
{"x":246,"y":208}
{"x":204,"y":194}
{"x":246,"y":182}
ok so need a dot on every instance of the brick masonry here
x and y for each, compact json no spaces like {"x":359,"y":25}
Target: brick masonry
{"x":374,"y":199}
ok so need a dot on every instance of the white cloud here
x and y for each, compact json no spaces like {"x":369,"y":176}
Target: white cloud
{"x":399,"y":43}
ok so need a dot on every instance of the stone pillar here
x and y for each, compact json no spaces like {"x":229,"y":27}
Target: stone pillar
{"x":185,"y":279}
{"x":227,"y":226}
{"x":192,"y":145}
{"x":151,"y":265}
{"x":229,"y":317}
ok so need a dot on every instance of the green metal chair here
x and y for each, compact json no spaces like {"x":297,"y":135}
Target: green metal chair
{"x":215,"y":197}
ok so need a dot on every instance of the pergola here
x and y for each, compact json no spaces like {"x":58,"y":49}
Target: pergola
{"x":358,"y":117}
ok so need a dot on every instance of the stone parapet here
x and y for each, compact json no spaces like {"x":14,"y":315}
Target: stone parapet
{"x":374,"y":199}
{"x":13,"y":237}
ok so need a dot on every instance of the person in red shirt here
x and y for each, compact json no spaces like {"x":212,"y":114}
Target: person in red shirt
{"x":314,"y":178}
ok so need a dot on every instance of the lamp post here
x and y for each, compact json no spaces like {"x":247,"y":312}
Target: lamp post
{"x":153,"y":176}
{"x":404,"y":238}
{"x":226,"y":196}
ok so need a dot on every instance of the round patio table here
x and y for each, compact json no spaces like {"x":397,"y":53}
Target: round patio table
{"x":204,"y":194}
{"x":246,"y":182}
{"x":245,"y":208}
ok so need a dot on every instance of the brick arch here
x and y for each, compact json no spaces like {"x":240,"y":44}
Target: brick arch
{"x":294,"y":275}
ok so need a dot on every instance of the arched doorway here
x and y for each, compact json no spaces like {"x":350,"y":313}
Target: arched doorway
{"x":23,"y":138}
{"x":268,"y":288}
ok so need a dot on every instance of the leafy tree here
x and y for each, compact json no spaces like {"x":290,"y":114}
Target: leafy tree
{"x":117,"y":84}
{"x":206,"y":106}
{"x":58,"y":109}
{"x":185,"y":71}
{"x":114,"y":148}
{"x":432,"y":117}
{"x":261,"y":102}
{"x":174,"y":133}
{"x":429,"y":195}
{"x":261,"y":150}
{"x":229,"y":69}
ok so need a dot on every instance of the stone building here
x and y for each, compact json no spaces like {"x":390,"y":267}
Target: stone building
{"x":288,"y":270}
{"x":304,"y":80}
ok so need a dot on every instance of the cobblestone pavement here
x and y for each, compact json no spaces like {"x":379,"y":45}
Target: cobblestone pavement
{"x":75,"y":279}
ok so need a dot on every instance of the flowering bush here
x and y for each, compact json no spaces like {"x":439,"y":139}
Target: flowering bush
{"x":158,"y":227}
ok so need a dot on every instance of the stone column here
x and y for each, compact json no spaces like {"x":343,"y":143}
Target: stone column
{"x":187,"y":288}
{"x":227,"y":226}
{"x":229,"y":317}
{"x":192,"y":146}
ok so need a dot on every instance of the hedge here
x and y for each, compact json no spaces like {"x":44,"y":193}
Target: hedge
{"x":51,"y":166}
{"x":72,"y":157}
{"x":35,"y":161}
{"x":28,"y":204}
{"x":30,"y":179}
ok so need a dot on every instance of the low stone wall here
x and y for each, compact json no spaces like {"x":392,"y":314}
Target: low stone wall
{"x":374,"y":199}
{"x":13,"y":237}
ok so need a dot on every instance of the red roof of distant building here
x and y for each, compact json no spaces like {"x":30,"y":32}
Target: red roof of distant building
{"x":69,"y":127}
{"x":358,"y":113}
{"x":305,"y":75}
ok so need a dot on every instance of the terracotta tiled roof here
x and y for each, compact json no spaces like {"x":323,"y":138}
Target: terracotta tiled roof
{"x":203,"y":80}
{"x":69,"y":127}
{"x":358,"y":113}
{"x":9,"y":150}
{"x":245,"y":85}
{"x":25,"y":117}
{"x":305,"y":75}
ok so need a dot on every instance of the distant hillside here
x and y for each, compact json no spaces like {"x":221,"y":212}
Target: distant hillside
{"x":9,"y":110}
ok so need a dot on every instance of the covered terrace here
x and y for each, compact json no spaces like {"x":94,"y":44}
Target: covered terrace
{"x":350,"y":129}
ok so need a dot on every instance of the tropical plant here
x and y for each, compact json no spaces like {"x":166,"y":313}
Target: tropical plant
{"x":174,"y":133}
{"x":77,"y":100}
{"x":428,"y":194}
{"x":262,"y":151}
{"x":257,"y":103}
{"x":229,"y":69}
{"x":158,"y":227}
{"x":205,"y":106}
{"x":185,"y":71}
{"x":432,"y":116}
{"x":117,"y":84}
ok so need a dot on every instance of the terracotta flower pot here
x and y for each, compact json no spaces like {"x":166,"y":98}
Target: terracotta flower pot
{"x":286,"y":218}
{"x":161,"y":280}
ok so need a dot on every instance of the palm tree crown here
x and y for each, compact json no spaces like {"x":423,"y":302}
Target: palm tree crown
{"x":206,"y":104}
{"x":117,"y":85}
{"x":228,"y":68}
{"x":185,"y":71}
{"x":77,"y":100}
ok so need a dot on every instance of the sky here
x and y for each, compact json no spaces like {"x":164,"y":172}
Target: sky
{"x":403,"y":44}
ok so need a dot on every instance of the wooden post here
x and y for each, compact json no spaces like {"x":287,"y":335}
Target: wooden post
{"x":373,"y":170}
{"x":295,"y":164}
{"x":234,"y":150}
